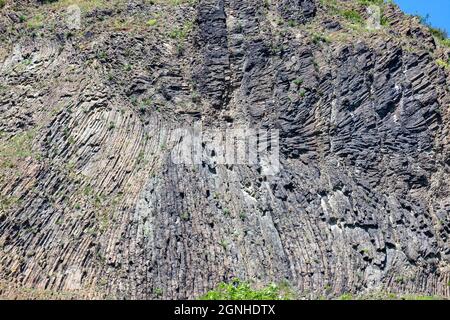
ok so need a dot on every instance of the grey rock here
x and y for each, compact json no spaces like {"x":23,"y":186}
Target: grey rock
{"x":92,"y":203}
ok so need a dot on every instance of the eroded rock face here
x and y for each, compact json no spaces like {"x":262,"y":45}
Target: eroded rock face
{"x":92,"y":202}
{"x":298,"y":11}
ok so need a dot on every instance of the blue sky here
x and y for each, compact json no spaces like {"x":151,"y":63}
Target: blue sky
{"x":439,"y":10}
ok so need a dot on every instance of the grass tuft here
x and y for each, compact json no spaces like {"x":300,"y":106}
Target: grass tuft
{"x":240,"y":290}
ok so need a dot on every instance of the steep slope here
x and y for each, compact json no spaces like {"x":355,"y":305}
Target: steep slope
{"x":92,"y":204}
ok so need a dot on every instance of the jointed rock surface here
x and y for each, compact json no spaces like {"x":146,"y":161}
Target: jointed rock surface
{"x":93,"y":206}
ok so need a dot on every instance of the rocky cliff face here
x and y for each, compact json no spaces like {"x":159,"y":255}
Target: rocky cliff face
{"x":93,"y":206}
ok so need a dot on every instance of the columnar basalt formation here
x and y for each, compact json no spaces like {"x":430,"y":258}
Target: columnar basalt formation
{"x":92,"y":204}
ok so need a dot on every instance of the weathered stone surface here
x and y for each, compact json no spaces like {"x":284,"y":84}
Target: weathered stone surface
{"x":92,"y":204}
{"x":298,"y":11}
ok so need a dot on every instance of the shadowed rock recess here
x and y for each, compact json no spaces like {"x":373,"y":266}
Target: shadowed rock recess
{"x":92,"y":205}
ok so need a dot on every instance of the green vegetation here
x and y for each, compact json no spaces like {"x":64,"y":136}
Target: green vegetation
{"x":292,"y":23}
{"x":16,"y":148}
{"x":185,"y":216}
{"x":443,"y":64}
{"x":102,"y":55}
{"x":87,"y":191}
{"x":157,"y":292}
{"x":36,"y":22}
{"x":141,"y":158}
{"x":84,"y":5}
{"x":181,"y":33}
{"x":346,"y":296}
{"x":224,"y":244}
{"x":6,"y":203}
{"x":353,"y":16}
{"x":127,"y":67}
{"x":439,"y":34}
{"x":351,"y":10}
{"x":445,"y":42}
{"x":195,"y":96}
{"x":239,"y":290}
{"x":146,"y":103}
{"x":372,"y":2}
{"x":152,"y":22}
{"x":318,"y":39}
{"x":2,"y":3}
{"x":298,"y":82}
{"x":400,"y":280}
